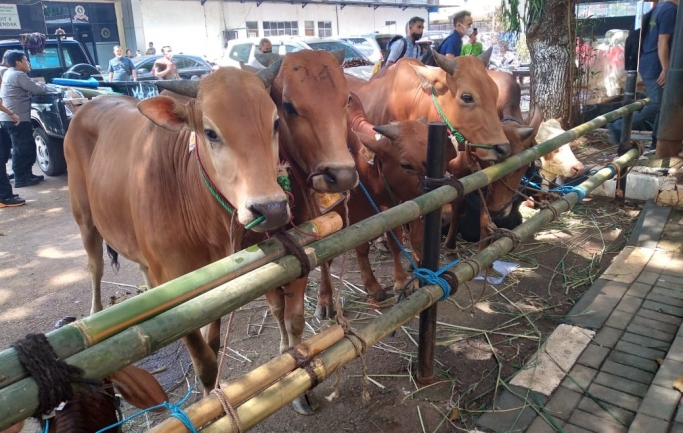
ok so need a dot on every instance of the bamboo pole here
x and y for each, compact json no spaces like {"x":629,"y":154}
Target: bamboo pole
{"x":296,"y":383}
{"x":80,"y":335}
{"x":19,"y":400}
{"x":251,"y":383}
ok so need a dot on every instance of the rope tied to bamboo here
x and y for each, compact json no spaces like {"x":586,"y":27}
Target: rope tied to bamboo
{"x":228,"y":409}
{"x":293,"y":247}
{"x":455,"y":183}
{"x":54,"y":377}
{"x":500,"y":233}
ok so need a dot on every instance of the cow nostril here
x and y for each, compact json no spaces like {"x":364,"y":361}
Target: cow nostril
{"x":329,"y":177}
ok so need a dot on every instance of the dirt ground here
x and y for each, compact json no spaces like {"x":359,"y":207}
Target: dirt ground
{"x":486,"y":332}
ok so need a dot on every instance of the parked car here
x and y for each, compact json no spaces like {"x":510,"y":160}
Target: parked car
{"x":243,"y":50}
{"x":188,"y":66}
{"x":366,"y":44}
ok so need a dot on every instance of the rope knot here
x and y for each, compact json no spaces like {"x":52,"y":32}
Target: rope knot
{"x":429,"y":277}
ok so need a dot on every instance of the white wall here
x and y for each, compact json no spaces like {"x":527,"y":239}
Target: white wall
{"x":191,"y":28}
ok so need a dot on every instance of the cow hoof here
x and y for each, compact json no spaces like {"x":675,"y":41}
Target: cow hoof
{"x":324,"y":312}
{"x":378,"y":296}
{"x":301,"y":406}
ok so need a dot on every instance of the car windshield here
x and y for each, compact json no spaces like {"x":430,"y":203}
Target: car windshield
{"x":350,"y":53}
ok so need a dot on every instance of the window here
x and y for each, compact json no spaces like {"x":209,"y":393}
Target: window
{"x":252,"y":29}
{"x":309,"y":28}
{"x":280,"y":28}
{"x":241,"y":52}
{"x":324,"y":29}
{"x":390,"y":23}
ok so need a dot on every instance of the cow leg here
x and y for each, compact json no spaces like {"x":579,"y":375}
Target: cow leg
{"x":92,"y":242}
{"x":203,"y":359}
{"x":276,"y":302}
{"x":324,"y":310}
{"x":295,"y":322}
{"x":212,"y":335}
{"x":398,"y":272}
{"x":145,"y":275}
{"x":453,"y":229}
{"x":366,"y":275}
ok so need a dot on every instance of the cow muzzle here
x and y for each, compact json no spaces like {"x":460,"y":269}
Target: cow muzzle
{"x":275,"y":214}
{"x":497,"y":152}
{"x":334,"y":179}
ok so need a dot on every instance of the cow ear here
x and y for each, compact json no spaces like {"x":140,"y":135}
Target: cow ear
{"x":429,"y":76}
{"x":524,"y":133}
{"x":535,"y":119}
{"x":165,"y":112}
{"x":423,"y":120}
{"x":485,"y":57}
{"x":139,"y":388}
{"x":339,"y":55}
{"x":374,"y":145}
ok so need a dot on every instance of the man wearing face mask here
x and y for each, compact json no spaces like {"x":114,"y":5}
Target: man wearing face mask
{"x":264,"y":47}
{"x":452,"y":45}
{"x":407,"y":47}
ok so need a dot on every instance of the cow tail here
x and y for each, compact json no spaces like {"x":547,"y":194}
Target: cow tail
{"x":114,"y":256}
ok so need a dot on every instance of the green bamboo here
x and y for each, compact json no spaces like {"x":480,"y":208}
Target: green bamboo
{"x":134,"y":343}
{"x":296,"y":383}
{"x":80,"y":335}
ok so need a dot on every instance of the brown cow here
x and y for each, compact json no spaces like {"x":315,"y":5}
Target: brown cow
{"x":311,"y":96}
{"x":134,"y":182}
{"x":390,"y":160}
{"x":464,"y":92}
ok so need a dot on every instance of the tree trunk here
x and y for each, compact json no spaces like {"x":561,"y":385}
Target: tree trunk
{"x":551,"y":40}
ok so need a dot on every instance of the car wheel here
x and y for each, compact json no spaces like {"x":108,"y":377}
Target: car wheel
{"x":50,"y":153}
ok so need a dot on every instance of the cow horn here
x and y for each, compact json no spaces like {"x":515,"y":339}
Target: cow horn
{"x":339,"y":55}
{"x":267,"y":59}
{"x":268,"y":74}
{"x":390,"y":131}
{"x":181,"y":87}
{"x":448,"y":65}
{"x":485,"y":57}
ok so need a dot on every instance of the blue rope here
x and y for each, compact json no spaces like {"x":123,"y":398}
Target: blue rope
{"x":176,"y":412}
{"x":424,"y":275}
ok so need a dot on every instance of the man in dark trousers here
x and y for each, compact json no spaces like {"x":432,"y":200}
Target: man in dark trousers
{"x":655,"y":54}
{"x":15,"y":93}
{"x":462,"y":26}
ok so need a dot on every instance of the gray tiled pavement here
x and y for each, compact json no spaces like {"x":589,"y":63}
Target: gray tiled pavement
{"x":622,"y":382}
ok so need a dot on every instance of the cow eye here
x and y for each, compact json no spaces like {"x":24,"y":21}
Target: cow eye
{"x":211,"y":134}
{"x":467,"y":98}
{"x":349,"y":101}
{"x":407,"y":167}
{"x":289,"y":108}
{"x":276,"y":125}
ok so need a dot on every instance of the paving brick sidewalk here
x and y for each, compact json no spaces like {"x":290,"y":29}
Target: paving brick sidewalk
{"x":617,"y":385}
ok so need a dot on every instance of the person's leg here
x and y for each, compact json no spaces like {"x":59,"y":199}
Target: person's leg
{"x":650,"y":111}
{"x":24,"y":154}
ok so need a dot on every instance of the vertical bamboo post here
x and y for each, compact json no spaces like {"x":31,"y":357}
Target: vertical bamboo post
{"x":626,"y":126}
{"x":436,"y":151}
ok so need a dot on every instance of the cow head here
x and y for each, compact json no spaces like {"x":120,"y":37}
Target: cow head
{"x":236,"y":128}
{"x":312,"y":95}
{"x":561,"y":162}
{"x":401,"y":152}
{"x":502,"y":192}
{"x":467,"y":97}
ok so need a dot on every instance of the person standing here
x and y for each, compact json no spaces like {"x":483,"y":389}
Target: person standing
{"x":129,"y":53}
{"x":473,"y":47}
{"x":7,"y":196}
{"x":15,"y":93}
{"x":164,"y":68}
{"x":121,"y":68}
{"x":264,"y":47}
{"x":408,"y":46}
{"x":655,"y":55}
{"x":462,"y":26}
{"x":151,"y":50}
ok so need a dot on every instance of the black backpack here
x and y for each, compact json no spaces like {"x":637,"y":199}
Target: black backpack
{"x":633,"y":43}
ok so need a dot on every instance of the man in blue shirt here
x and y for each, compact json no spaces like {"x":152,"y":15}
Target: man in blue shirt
{"x":462,"y":26}
{"x":654,"y":65}
{"x":407,"y":47}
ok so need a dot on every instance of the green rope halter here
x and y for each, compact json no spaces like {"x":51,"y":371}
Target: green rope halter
{"x":453,"y":131}
{"x":282,"y":180}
